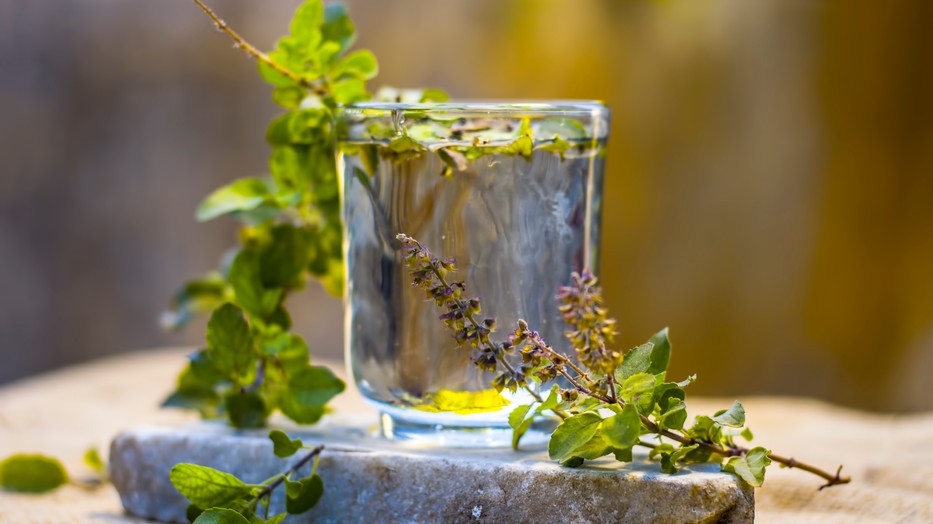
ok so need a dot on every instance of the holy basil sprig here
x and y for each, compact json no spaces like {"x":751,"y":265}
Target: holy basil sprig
{"x":253,"y":364}
{"x":610,"y":402}
{"x":219,"y":497}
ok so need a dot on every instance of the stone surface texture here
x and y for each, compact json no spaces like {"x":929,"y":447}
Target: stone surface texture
{"x":64,"y":412}
{"x":368,"y":481}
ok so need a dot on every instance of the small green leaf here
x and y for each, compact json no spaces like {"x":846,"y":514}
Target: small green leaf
{"x":314,"y":386}
{"x":733,"y":417}
{"x":92,"y":460}
{"x":747,"y":434}
{"x":337,"y":26}
{"x":359,"y":64}
{"x":517,"y":415}
{"x":519,"y":423}
{"x":292,"y":488}
{"x":552,"y":400}
{"x":405,"y":144}
{"x":637,"y":360}
{"x":559,"y":146}
{"x":593,"y":449}
{"x":283,"y":260}
{"x":192,"y":512}
{"x":32,"y":473}
{"x":282,"y":445}
{"x":622,"y":429}
{"x":241,"y":195}
{"x":245,"y":410}
{"x":669,"y":460}
{"x":673,"y":414}
{"x":349,"y":91}
{"x":207,"y":487}
{"x":305,"y":26}
{"x":246,"y":280}
{"x":751,"y":467}
{"x":221,"y":516}
{"x":229,"y":341}
{"x":639,"y":389}
{"x":276,"y":519}
{"x":572,"y":462}
{"x":660,"y":352}
{"x":572,"y":433}
{"x":289,"y":97}
{"x":312,"y":488}
{"x":433,"y":95}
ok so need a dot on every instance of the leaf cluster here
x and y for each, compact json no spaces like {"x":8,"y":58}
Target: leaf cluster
{"x":253,"y":364}
{"x":607,"y":402}
{"x":217,"y":497}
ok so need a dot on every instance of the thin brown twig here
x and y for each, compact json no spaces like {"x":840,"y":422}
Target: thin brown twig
{"x":256,"y":53}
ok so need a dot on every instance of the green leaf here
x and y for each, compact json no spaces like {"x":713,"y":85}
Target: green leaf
{"x":622,"y":429}
{"x":241,"y":195}
{"x":230,"y":342}
{"x":673,"y":414}
{"x":360,"y":64}
{"x":305,"y":26}
{"x":32,"y":473}
{"x":276,"y":519}
{"x":572,"y":433}
{"x":559,"y":146}
{"x":282,"y":445}
{"x":734,"y":417}
{"x":593,"y":449}
{"x":433,"y":95}
{"x":660,"y":352}
{"x":312,"y":488}
{"x":552,"y":400}
{"x":349,"y":91}
{"x":337,"y":26}
{"x":298,"y":412}
{"x":245,"y":410}
{"x":669,"y":460}
{"x":292,"y":488}
{"x":246,"y":280}
{"x":751,"y":467}
{"x":314,"y":386}
{"x":639,"y":389}
{"x":92,"y":460}
{"x":517,"y":415}
{"x":283,"y":260}
{"x":192,"y":512}
{"x":221,"y":516}
{"x":519,"y":423}
{"x":572,"y":462}
{"x":637,"y":360}
{"x":288,"y":97}
{"x":207,"y":487}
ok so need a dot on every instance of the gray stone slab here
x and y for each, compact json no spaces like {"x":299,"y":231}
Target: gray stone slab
{"x":370,"y":480}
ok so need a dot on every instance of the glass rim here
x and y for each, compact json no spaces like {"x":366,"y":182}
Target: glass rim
{"x":571,"y":108}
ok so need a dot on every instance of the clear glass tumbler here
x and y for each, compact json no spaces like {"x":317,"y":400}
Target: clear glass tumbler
{"x":513,"y":193}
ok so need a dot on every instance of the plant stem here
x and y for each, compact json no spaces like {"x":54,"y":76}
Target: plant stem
{"x":256,"y":53}
{"x":463,"y":308}
{"x":281,"y":478}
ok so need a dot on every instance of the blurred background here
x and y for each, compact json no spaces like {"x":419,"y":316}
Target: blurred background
{"x":769,"y":186}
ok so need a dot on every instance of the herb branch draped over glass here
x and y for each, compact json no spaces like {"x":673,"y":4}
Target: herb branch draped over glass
{"x":610,"y":400}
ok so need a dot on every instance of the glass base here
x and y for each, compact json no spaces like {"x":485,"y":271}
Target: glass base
{"x":448,"y":433}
